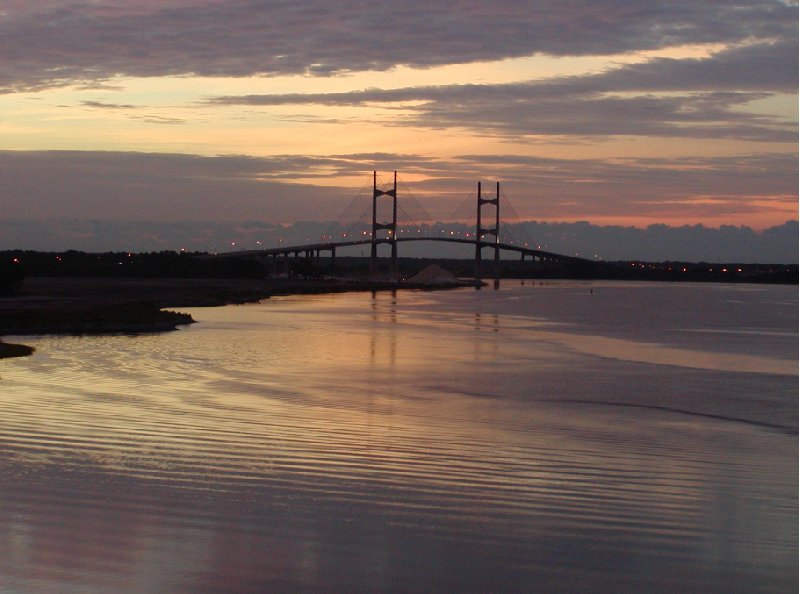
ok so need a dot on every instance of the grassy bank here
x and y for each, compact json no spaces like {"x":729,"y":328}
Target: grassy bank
{"x":14,"y":350}
{"x":80,"y":305}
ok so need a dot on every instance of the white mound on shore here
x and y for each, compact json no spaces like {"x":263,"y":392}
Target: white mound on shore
{"x":434,"y":275}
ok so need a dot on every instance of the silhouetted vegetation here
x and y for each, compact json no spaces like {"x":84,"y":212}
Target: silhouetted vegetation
{"x":15,"y":350}
{"x":14,"y":265}
{"x":12,"y":274}
{"x":113,"y":318}
{"x":164,"y":264}
{"x":708,"y":272}
{"x":577,"y":268}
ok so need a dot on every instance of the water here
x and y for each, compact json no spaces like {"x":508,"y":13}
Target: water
{"x":570,"y":437}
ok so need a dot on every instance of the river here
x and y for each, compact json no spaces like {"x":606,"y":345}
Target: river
{"x":546,"y":436}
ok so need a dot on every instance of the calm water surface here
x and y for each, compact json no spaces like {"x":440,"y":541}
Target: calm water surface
{"x":576,"y":437}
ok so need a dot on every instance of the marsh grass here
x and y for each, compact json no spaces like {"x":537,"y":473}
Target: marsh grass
{"x":14,"y":350}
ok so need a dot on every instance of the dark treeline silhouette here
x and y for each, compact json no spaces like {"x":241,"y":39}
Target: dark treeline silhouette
{"x":165,"y":264}
{"x":12,"y":273}
{"x":16,"y":264}
{"x":582,"y":269}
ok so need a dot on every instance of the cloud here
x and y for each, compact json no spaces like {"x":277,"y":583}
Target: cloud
{"x":172,"y":187}
{"x":693,"y":243}
{"x":164,"y":187}
{"x":660,"y":189}
{"x":155,"y":119}
{"x":690,"y":98}
{"x":149,"y":118}
{"x":94,"y":201}
{"x":54,"y":43}
{"x":102,"y":105}
{"x":759,"y":67}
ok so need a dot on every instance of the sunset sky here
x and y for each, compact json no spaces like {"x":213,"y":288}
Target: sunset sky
{"x":616,"y":112}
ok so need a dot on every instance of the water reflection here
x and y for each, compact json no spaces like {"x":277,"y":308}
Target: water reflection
{"x":400,"y":442}
{"x":383,"y":333}
{"x":495,"y":285}
{"x":485,"y":322}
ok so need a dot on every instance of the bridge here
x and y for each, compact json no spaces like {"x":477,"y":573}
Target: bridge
{"x":385,"y":230}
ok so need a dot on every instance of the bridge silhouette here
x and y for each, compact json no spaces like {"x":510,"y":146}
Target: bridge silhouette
{"x":380,"y":226}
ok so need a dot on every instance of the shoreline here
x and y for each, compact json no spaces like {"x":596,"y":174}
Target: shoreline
{"x":9,"y":350}
{"x":96,"y":306}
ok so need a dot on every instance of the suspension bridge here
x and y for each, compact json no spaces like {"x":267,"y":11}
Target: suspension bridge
{"x":389,"y":219}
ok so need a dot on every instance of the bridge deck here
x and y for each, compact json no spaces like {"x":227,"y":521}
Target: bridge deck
{"x":330,"y":246}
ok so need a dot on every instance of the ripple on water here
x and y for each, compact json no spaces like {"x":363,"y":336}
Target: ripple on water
{"x":420,"y":453}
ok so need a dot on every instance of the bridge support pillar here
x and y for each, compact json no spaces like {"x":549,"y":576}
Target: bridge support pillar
{"x":481,"y":231}
{"x":378,"y":227}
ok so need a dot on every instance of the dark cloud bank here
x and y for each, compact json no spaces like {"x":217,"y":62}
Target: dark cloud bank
{"x":58,"y":200}
{"x":51,"y":43}
{"x":690,"y":98}
{"x":169,"y":187}
{"x":87,"y":43}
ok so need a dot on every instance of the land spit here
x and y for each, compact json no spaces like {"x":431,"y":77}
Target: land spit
{"x":77,"y":305}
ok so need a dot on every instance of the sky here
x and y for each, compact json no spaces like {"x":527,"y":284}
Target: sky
{"x":620,"y":113}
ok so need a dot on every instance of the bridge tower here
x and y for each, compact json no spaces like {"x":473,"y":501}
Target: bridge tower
{"x":481,"y":231}
{"x":390,"y":228}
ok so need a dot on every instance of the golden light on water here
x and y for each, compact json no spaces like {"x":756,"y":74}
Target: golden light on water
{"x":294,"y":438}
